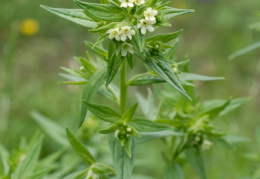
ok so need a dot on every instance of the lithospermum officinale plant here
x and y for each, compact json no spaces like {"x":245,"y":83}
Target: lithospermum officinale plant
{"x":184,"y":123}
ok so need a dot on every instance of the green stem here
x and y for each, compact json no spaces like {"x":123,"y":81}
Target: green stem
{"x":123,"y":88}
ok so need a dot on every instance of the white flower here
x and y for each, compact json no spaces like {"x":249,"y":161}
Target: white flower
{"x":146,"y":25}
{"x":125,"y":3}
{"x":139,"y":2}
{"x":114,"y":33}
{"x":126,"y":47}
{"x":125,"y":32}
{"x":150,"y":13}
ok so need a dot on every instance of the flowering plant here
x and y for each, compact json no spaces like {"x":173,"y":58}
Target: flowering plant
{"x":180,"y":119}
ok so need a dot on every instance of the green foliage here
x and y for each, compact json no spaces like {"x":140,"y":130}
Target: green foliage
{"x":181,"y":121}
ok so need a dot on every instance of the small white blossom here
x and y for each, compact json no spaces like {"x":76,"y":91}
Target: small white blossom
{"x":114,"y":33}
{"x":127,"y":3}
{"x":150,"y":13}
{"x":146,"y":25}
{"x":125,"y":32}
{"x":126,"y":47}
{"x":139,"y":2}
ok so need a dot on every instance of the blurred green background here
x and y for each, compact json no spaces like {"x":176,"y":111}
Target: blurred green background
{"x":34,"y":44}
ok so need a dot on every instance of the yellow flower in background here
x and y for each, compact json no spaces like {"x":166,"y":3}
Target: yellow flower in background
{"x":29,"y":27}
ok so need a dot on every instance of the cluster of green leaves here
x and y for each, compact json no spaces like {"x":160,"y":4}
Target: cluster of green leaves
{"x":182,"y":119}
{"x":23,"y":162}
{"x":194,"y":120}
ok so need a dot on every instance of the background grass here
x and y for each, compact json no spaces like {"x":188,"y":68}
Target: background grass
{"x":29,"y":68}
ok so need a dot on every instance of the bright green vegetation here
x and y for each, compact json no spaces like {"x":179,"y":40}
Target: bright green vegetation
{"x":29,"y":68}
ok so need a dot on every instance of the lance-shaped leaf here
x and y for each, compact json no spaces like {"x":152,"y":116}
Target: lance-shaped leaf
{"x":75,"y":15}
{"x":26,"y":166}
{"x":104,"y":28}
{"x":245,"y":50}
{"x":164,"y":70}
{"x":80,"y":149}
{"x":195,"y":158}
{"x":234,"y":104}
{"x":104,"y":12}
{"x":103,"y":112}
{"x":40,"y":173}
{"x":214,"y":109}
{"x":148,"y":136}
{"x":164,"y":37}
{"x":146,"y":80}
{"x":123,"y":163}
{"x":138,"y":41}
{"x":100,"y":52}
{"x":196,"y":77}
{"x":93,"y":85}
{"x":113,"y":65}
{"x":145,"y":125}
{"x":129,"y":114}
{"x":170,"y":52}
{"x":211,"y":105}
{"x":53,"y":129}
{"x":171,"y":12}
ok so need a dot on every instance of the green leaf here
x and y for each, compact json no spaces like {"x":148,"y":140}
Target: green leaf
{"x":79,"y":175}
{"x":244,"y":50}
{"x":145,"y":79}
{"x":94,"y":83}
{"x":173,"y":171}
{"x":104,"y":12}
{"x":103,"y":112}
{"x":129,"y":58}
{"x":72,"y":77}
{"x":104,"y":28}
{"x":195,"y":158}
{"x":163,"y":69}
{"x":123,"y":164}
{"x":234,"y":104}
{"x":110,"y":129}
{"x":221,"y":106}
{"x":148,"y":108}
{"x":138,"y":41}
{"x":100,"y":52}
{"x":170,"y":52}
{"x":79,"y":148}
{"x":40,"y":173}
{"x":3,"y":161}
{"x":50,"y":159}
{"x":75,"y":15}
{"x":113,"y":66}
{"x":145,"y":125}
{"x":166,"y":37}
{"x":171,"y":12}
{"x":196,"y":77}
{"x":148,"y":136}
{"x":129,"y":114}
{"x":26,"y":166}
{"x":53,"y":129}
{"x":87,"y":65}
{"x":152,"y":3}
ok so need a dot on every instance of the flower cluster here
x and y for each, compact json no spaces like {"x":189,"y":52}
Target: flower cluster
{"x":148,"y":21}
{"x":123,"y":34}
{"x":126,"y":32}
{"x":130,"y":3}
